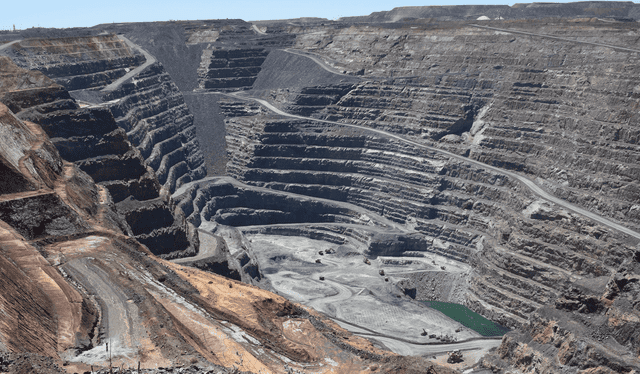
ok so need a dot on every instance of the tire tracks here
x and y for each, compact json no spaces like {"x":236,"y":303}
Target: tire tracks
{"x":119,"y":316}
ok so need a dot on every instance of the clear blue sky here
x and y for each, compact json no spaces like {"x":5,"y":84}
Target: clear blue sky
{"x":75,"y":13}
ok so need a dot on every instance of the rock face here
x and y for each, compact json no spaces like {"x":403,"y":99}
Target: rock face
{"x":230,"y":68}
{"x":463,"y":91}
{"x":184,"y":49}
{"x":30,"y":205}
{"x":158,"y":122}
{"x":51,"y":201}
{"x":451,"y":203}
{"x":78,"y":63}
{"x":464,"y":99}
{"x":90,"y":137}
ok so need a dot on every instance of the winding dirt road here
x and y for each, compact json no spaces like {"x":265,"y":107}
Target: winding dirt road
{"x":6,"y":45}
{"x":343,"y":293}
{"x":257,"y":30}
{"x":150,"y":60}
{"x":318,"y":61}
{"x":119,"y":317}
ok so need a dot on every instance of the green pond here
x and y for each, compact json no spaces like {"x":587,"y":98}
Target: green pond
{"x":468,"y":318}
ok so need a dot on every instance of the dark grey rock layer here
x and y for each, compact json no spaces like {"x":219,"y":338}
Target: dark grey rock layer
{"x":93,"y":139}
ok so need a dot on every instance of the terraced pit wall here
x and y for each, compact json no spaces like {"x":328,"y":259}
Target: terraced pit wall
{"x":141,"y":154}
{"x":457,"y":209}
{"x":528,"y":111}
{"x":479,"y":94}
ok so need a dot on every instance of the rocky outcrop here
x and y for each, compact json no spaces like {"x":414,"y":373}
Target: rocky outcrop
{"x":589,"y":328}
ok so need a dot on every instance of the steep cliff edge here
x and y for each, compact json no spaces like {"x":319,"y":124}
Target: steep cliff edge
{"x":95,"y":141}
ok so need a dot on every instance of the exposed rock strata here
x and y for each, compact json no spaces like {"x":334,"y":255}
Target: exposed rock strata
{"x":77,"y":63}
{"x":505,"y":86}
{"x":70,"y":289}
{"x":450,"y":203}
{"x":42,"y":313}
{"x":180,"y":47}
{"x":230,"y":68}
{"x":159,"y":124}
{"x":557,"y":111}
{"x":91,"y":138}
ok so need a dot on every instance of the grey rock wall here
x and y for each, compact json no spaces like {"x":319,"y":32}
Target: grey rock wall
{"x":451,"y":90}
{"x":77,"y":62}
{"x":157,"y":121}
{"x":98,"y":143}
{"x":234,"y":68}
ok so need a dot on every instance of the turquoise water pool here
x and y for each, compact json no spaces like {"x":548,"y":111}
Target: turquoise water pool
{"x":468,"y":318}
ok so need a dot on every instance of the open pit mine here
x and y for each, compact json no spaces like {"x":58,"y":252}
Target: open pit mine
{"x":421,"y":190}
